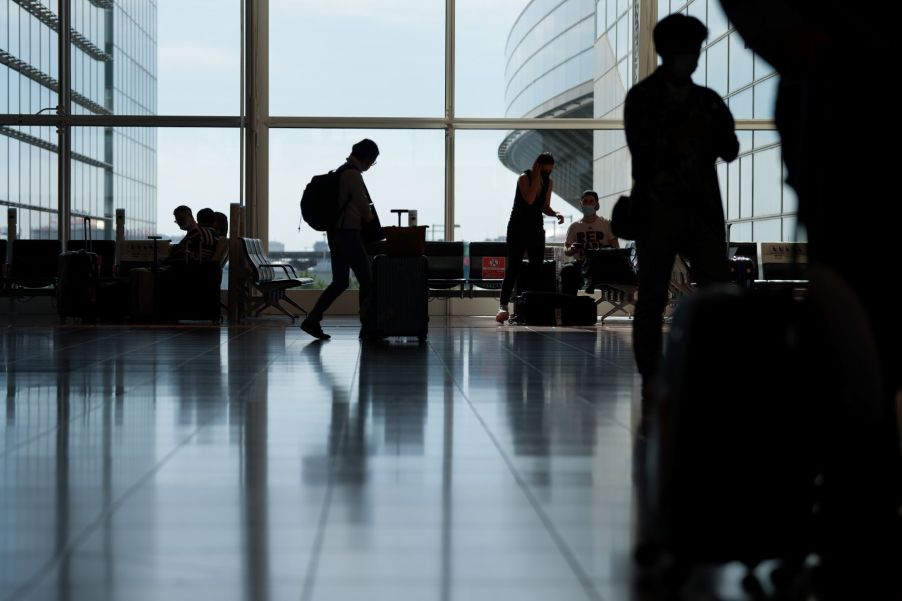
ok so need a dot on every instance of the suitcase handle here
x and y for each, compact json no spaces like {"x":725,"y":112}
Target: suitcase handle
{"x":399,"y":211}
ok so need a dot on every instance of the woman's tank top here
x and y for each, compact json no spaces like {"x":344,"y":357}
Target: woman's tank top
{"x":525,"y":215}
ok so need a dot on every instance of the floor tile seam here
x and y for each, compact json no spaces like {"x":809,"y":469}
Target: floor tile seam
{"x":526,"y":362}
{"x":38,"y":355}
{"x":583,"y":351}
{"x":309,"y":577}
{"x":558,"y":540}
{"x":580,"y":397}
{"x":88,"y":529}
{"x":10,"y":450}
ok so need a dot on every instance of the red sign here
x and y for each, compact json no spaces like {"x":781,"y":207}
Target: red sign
{"x":493,"y":268}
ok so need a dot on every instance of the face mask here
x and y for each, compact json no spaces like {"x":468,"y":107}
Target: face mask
{"x":682,"y":66}
{"x":590,"y":210}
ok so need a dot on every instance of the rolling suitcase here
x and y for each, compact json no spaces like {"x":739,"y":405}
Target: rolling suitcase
{"x":401,"y":296}
{"x":77,"y":281}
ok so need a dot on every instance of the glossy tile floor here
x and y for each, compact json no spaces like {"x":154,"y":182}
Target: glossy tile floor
{"x":254,"y":463}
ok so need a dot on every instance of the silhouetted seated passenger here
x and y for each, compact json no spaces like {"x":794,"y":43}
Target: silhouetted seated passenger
{"x":199,"y":242}
{"x":586,"y":235}
{"x":190,"y":282}
{"x":218,"y":224}
{"x":206,"y":218}
{"x":221,"y":227}
{"x":221,"y":224}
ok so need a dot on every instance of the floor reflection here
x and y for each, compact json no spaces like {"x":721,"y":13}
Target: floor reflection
{"x":249,"y":463}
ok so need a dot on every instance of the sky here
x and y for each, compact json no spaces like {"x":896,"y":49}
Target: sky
{"x":363,"y":58}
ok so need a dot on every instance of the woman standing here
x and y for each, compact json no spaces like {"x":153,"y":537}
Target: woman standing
{"x":532,"y":199}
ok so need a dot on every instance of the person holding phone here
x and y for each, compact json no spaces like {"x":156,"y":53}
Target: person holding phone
{"x":590,"y":233}
{"x":525,"y":232}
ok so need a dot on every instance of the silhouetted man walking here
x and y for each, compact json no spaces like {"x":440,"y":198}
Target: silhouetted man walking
{"x":675,"y":130}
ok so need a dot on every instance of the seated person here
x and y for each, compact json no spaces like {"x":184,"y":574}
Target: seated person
{"x":207,"y":218}
{"x":221,"y":224}
{"x":199,"y":242}
{"x":588,"y":234}
{"x":218,"y":223}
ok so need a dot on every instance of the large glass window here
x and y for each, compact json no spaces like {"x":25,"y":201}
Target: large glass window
{"x":768,"y":230}
{"x":409,"y":174}
{"x":766,"y":98}
{"x":745,"y":187}
{"x":485,"y":188}
{"x":520,"y":58}
{"x":148,"y":172}
{"x":482,"y":29}
{"x":169,"y":57}
{"x":718,"y":67}
{"x":198,"y":46}
{"x":699,"y":10}
{"x":740,"y":63}
{"x":768,"y":182}
{"x":28,"y":179}
{"x":733,"y":190}
{"x":383,"y":58}
{"x":717,"y":20}
{"x":514,"y":58}
{"x":196,"y":167}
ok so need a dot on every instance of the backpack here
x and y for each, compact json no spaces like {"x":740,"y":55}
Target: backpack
{"x":319,"y":202}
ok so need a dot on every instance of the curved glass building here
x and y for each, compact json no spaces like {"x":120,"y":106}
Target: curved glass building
{"x":578,"y":58}
{"x":548,"y":73}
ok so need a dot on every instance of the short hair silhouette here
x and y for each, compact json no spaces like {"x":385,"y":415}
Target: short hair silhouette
{"x":182,"y":209}
{"x":205,"y":217}
{"x":365,"y":149}
{"x":221,"y":223}
{"x":679,"y":34}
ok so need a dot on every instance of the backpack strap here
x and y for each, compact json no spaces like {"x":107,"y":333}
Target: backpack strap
{"x":338,"y":172}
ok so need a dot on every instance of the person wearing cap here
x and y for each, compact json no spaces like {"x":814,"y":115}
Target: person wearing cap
{"x":592,"y":232}
{"x":676,"y":131}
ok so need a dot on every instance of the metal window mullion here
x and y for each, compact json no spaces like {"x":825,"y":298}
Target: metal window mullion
{"x":280,"y":122}
{"x":644,"y":22}
{"x":449,"y":119}
{"x":257,"y":150}
{"x":64,"y":130}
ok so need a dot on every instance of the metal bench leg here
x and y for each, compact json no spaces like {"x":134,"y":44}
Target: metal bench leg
{"x":276,"y":299}
{"x":295,"y":305}
{"x":279,"y":306}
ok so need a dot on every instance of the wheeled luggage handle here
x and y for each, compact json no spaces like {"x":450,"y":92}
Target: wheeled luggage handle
{"x":399,"y":212}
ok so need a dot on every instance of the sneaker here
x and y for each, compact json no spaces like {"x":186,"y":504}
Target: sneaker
{"x":502,"y":315}
{"x":313,"y":328}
